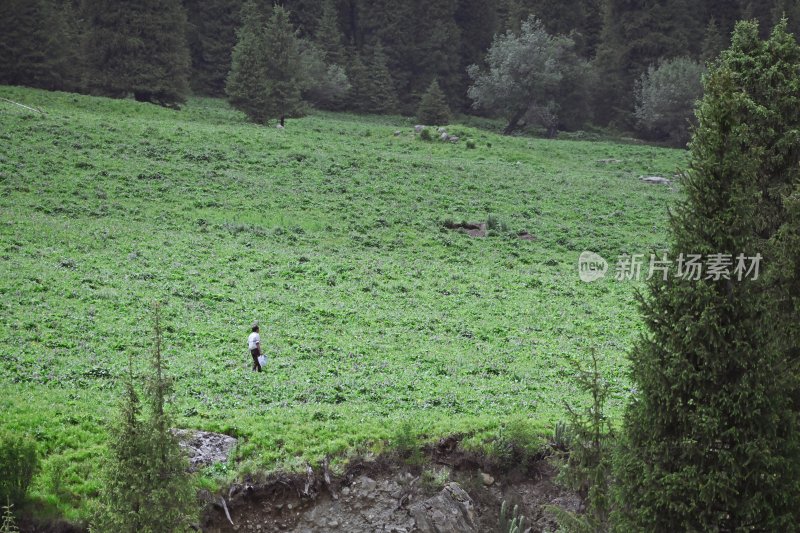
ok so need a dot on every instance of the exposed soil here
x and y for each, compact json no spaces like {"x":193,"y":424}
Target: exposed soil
{"x":473,"y":229}
{"x":480,"y":229}
{"x":393,"y":496}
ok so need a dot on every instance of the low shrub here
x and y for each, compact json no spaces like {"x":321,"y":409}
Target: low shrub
{"x":19,"y":462}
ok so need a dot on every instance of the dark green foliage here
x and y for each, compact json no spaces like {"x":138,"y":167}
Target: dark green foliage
{"x":19,"y":462}
{"x":635,"y":37}
{"x":329,"y":37}
{"x":713,"y":42}
{"x":433,"y":107}
{"x":477,"y":23}
{"x":435,"y":53}
{"x":372,"y":89}
{"x":38,"y":44}
{"x":137,"y":47}
{"x":711,"y":436}
{"x":283,"y":67}
{"x":246,"y":85}
{"x":587,"y":468}
{"x":211,"y":37}
{"x":147,"y":487}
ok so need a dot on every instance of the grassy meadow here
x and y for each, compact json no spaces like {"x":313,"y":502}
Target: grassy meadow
{"x":331,"y":234}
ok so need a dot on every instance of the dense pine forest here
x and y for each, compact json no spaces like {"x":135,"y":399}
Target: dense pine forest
{"x":381,"y":56}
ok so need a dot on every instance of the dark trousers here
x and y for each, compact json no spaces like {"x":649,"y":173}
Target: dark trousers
{"x":255,"y":352}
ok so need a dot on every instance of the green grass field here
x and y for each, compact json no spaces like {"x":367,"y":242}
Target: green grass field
{"x":331,"y":234}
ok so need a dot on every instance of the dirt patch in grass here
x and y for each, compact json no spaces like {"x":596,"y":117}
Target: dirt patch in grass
{"x":473,"y":229}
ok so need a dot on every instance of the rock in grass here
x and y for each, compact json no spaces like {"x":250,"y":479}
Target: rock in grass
{"x":655,"y":180}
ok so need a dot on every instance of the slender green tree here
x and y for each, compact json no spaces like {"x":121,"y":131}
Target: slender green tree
{"x":211,"y":36}
{"x":329,"y":37}
{"x":358,"y":96}
{"x":711,"y":440}
{"x":137,"y":47}
{"x":147,"y":486}
{"x":381,"y":95}
{"x":283,"y":66}
{"x":247,"y":81}
{"x":433,"y":108}
{"x":713,"y":42}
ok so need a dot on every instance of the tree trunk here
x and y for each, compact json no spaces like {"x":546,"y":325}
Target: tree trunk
{"x":513,"y":124}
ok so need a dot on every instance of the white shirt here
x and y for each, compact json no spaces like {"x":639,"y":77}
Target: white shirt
{"x":253,"y":340}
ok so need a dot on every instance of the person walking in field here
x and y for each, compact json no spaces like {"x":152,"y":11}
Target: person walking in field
{"x":254,"y":343}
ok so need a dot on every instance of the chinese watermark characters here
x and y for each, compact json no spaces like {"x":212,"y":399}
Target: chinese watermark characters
{"x":692,"y":267}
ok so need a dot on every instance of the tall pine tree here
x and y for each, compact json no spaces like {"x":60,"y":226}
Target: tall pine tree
{"x":137,"y":47}
{"x":329,"y":37}
{"x":147,"y":486}
{"x":211,"y":36}
{"x":381,"y":97}
{"x":246,"y":85}
{"x":711,"y":436}
{"x":283,"y":66}
{"x":37,"y":45}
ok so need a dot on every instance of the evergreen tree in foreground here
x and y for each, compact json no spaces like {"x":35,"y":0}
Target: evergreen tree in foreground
{"x":147,"y":487}
{"x":433,"y":107}
{"x":711,"y":437}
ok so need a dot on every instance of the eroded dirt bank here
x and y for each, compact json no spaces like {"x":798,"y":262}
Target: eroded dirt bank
{"x":452,"y":492}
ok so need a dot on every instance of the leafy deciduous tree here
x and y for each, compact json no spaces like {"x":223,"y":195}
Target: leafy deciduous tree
{"x":524,"y":73}
{"x":665,"y":99}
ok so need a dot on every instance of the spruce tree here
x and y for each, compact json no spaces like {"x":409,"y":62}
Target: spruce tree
{"x":382,"y":97}
{"x":328,"y":37}
{"x":711,"y":440}
{"x":358,"y":95}
{"x":433,"y":107}
{"x":147,"y":486}
{"x":37,"y":45}
{"x":713,"y":42}
{"x":636,"y":35}
{"x":137,"y":47}
{"x":246,"y":85}
{"x":211,"y":37}
{"x":283,"y":66}
{"x":436,"y":52}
